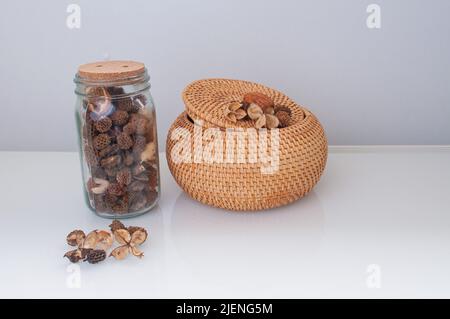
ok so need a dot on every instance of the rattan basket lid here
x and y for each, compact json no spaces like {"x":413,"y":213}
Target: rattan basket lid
{"x":207,"y":100}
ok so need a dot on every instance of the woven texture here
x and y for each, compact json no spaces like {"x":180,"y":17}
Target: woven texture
{"x":242,"y":186}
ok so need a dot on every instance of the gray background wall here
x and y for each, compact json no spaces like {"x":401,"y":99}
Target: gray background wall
{"x":368,"y":86}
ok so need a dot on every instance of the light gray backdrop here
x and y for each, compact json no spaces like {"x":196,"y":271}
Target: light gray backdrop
{"x":367,"y":86}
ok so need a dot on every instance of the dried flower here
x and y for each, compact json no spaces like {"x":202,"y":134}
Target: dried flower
{"x":75,"y":238}
{"x":235,"y":112}
{"x":280,"y":108}
{"x":129,"y":242}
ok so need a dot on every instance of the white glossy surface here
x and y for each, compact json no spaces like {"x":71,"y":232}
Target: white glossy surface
{"x":386,"y":206}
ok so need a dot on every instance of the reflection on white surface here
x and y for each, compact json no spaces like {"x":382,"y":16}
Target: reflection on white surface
{"x":376,"y":225}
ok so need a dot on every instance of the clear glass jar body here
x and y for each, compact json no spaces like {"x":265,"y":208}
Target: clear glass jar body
{"x":118,"y":145}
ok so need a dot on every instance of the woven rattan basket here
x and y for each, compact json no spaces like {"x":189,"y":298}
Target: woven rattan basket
{"x":242,"y":184}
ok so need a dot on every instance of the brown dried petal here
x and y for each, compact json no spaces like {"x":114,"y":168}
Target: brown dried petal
{"x":139,"y":236}
{"x":91,"y":240}
{"x":74,"y":255}
{"x":122,"y":236}
{"x":104,"y":239}
{"x":120,"y":252}
{"x":254,"y":111}
{"x":231,"y":117}
{"x":261,"y":122}
{"x":136,"y":252}
{"x":76,"y":237}
{"x":115,"y":189}
{"x":240,"y":114}
{"x":272,"y":121}
{"x":233,"y":107}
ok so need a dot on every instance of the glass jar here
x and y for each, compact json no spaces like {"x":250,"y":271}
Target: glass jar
{"x":117,"y":138}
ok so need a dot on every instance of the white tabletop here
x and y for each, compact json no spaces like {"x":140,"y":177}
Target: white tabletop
{"x":376,"y":225}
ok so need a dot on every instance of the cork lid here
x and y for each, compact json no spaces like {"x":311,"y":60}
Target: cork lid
{"x":207,"y":100}
{"x":110,"y":70}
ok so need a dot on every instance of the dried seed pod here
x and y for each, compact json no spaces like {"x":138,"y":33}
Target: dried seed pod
{"x":124,"y":177}
{"x":119,"y":118}
{"x":111,"y":162}
{"x":261,"y":122}
{"x":74,"y":255}
{"x":280,"y":108}
{"x":272,"y":121}
{"x":96,"y":256}
{"x":136,"y":251}
{"x":90,"y":242}
{"x":116,"y":224}
{"x":104,"y":239}
{"x":101,"y":141}
{"x":284,"y":118}
{"x":124,"y":141}
{"x":149,"y":153}
{"x":254,"y":111}
{"x":122,"y":236}
{"x":115,"y":189}
{"x":120,"y":252}
{"x":103,"y":125}
{"x":138,"y":236}
{"x":76,"y":237}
